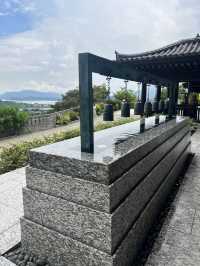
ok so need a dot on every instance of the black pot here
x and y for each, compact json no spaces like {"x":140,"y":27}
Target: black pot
{"x":108,"y":112}
{"x":155,"y":107}
{"x":125,"y":109}
{"x":139,"y":108}
{"x":148,"y":108}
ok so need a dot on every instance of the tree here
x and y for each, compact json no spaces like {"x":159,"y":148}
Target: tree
{"x":122,"y":94}
{"x":69,"y":100}
{"x":100,"y":93}
{"x":164,"y":93}
{"x":181,"y":94}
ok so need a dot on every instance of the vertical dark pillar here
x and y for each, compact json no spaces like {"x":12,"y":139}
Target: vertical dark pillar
{"x":186,"y":109}
{"x":86,"y":104}
{"x":144,"y":93}
{"x":176,"y":92}
{"x":176,"y":96}
{"x":156,"y":99}
{"x":158,"y":93}
{"x":171,"y":111}
{"x":168,"y":91}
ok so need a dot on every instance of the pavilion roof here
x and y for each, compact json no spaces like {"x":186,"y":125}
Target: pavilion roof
{"x":180,"y":49}
{"x":179,"y":61}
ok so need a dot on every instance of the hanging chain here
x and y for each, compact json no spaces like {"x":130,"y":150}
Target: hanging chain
{"x":108,"y":87}
{"x":148,"y":88}
{"x":138,"y":90}
{"x":126,"y":88}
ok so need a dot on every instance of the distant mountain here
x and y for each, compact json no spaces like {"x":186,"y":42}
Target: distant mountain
{"x":30,"y":95}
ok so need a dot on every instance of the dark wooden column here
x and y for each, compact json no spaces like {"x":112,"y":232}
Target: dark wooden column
{"x":143,"y":93}
{"x":157,"y":99}
{"x":176,"y":92}
{"x":86,"y":104}
{"x":171,"y":111}
{"x":176,"y":96}
{"x":168,"y":91}
{"x":158,"y":93}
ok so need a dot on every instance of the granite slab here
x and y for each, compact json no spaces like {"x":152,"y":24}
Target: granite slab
{"x":125,"y":215}
{"x":87,"y":193}
{"x":99,"y":229}
{"x":61,"y":250}
{"x":126,"y":253}
{"x":93,"y":194}
{"x":103,"y":166}
{"x":125,"y":184}
{"x":78,"y":222}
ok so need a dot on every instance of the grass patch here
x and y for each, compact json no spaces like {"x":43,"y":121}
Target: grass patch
{"x":16,"y":156}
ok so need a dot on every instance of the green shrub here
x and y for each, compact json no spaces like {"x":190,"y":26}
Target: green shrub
{"x":16,"y":156}
{"x":116,"y":104}
{"x":66,"y":118}
{"x":99,"y":107}
{"x":73,"y":115}
{"x":12,"y":120}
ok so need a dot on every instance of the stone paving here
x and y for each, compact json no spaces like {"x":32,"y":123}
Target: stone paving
{"x":179,"y":240}
{"x":11,"y":208}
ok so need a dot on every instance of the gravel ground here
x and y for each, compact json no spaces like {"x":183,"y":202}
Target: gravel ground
{"x":20,"y":258}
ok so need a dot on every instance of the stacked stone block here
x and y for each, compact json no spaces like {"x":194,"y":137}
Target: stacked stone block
{"x":84,"y":212}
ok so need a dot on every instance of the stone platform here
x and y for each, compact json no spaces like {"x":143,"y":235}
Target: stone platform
{"x":179,"y":240}
{"x":83,"y":209}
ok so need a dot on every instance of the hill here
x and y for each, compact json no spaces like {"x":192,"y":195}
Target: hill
{"x":30,"y":95}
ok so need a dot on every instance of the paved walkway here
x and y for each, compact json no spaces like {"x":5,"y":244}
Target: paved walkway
{"x":11,"y":208}
{"x":179,"y":240}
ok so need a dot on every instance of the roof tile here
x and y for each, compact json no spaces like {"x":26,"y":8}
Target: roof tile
{"x":183,"y":47}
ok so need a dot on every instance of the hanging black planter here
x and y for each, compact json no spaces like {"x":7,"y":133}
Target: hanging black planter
{"x":108,"y":112}
{"x":125,"y":109}
{"x":139,"y":108}
{"x":155,"y":107}
{"x":148,"y":108}
{"x":161,"y":107}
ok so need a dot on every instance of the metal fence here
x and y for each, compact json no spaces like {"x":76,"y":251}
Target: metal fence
{"x":45,"y":121}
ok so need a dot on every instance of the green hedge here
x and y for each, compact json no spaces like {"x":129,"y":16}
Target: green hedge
{"x":12,"y":120}
{"x":16,"y":156}
{"x":67,"y":117}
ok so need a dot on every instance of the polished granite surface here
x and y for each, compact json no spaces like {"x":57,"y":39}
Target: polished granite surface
{"x":107,"y":142}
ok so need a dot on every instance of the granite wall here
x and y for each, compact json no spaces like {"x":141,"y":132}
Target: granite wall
{"x":87,"y":212}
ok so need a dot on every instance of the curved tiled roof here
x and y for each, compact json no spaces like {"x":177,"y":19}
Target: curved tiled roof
{"x":186,"y":47}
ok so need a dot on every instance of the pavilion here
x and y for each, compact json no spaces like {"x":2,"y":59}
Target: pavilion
{"x":167,"y":66}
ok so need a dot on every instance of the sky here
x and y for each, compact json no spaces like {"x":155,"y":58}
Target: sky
{"x":40,"y":39}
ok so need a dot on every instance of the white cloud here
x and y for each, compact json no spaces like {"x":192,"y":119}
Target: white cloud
{"x":48,"y":54}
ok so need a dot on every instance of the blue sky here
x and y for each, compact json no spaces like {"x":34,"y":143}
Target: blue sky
{"x":40,"y":39}
{"x":14,"y":23}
